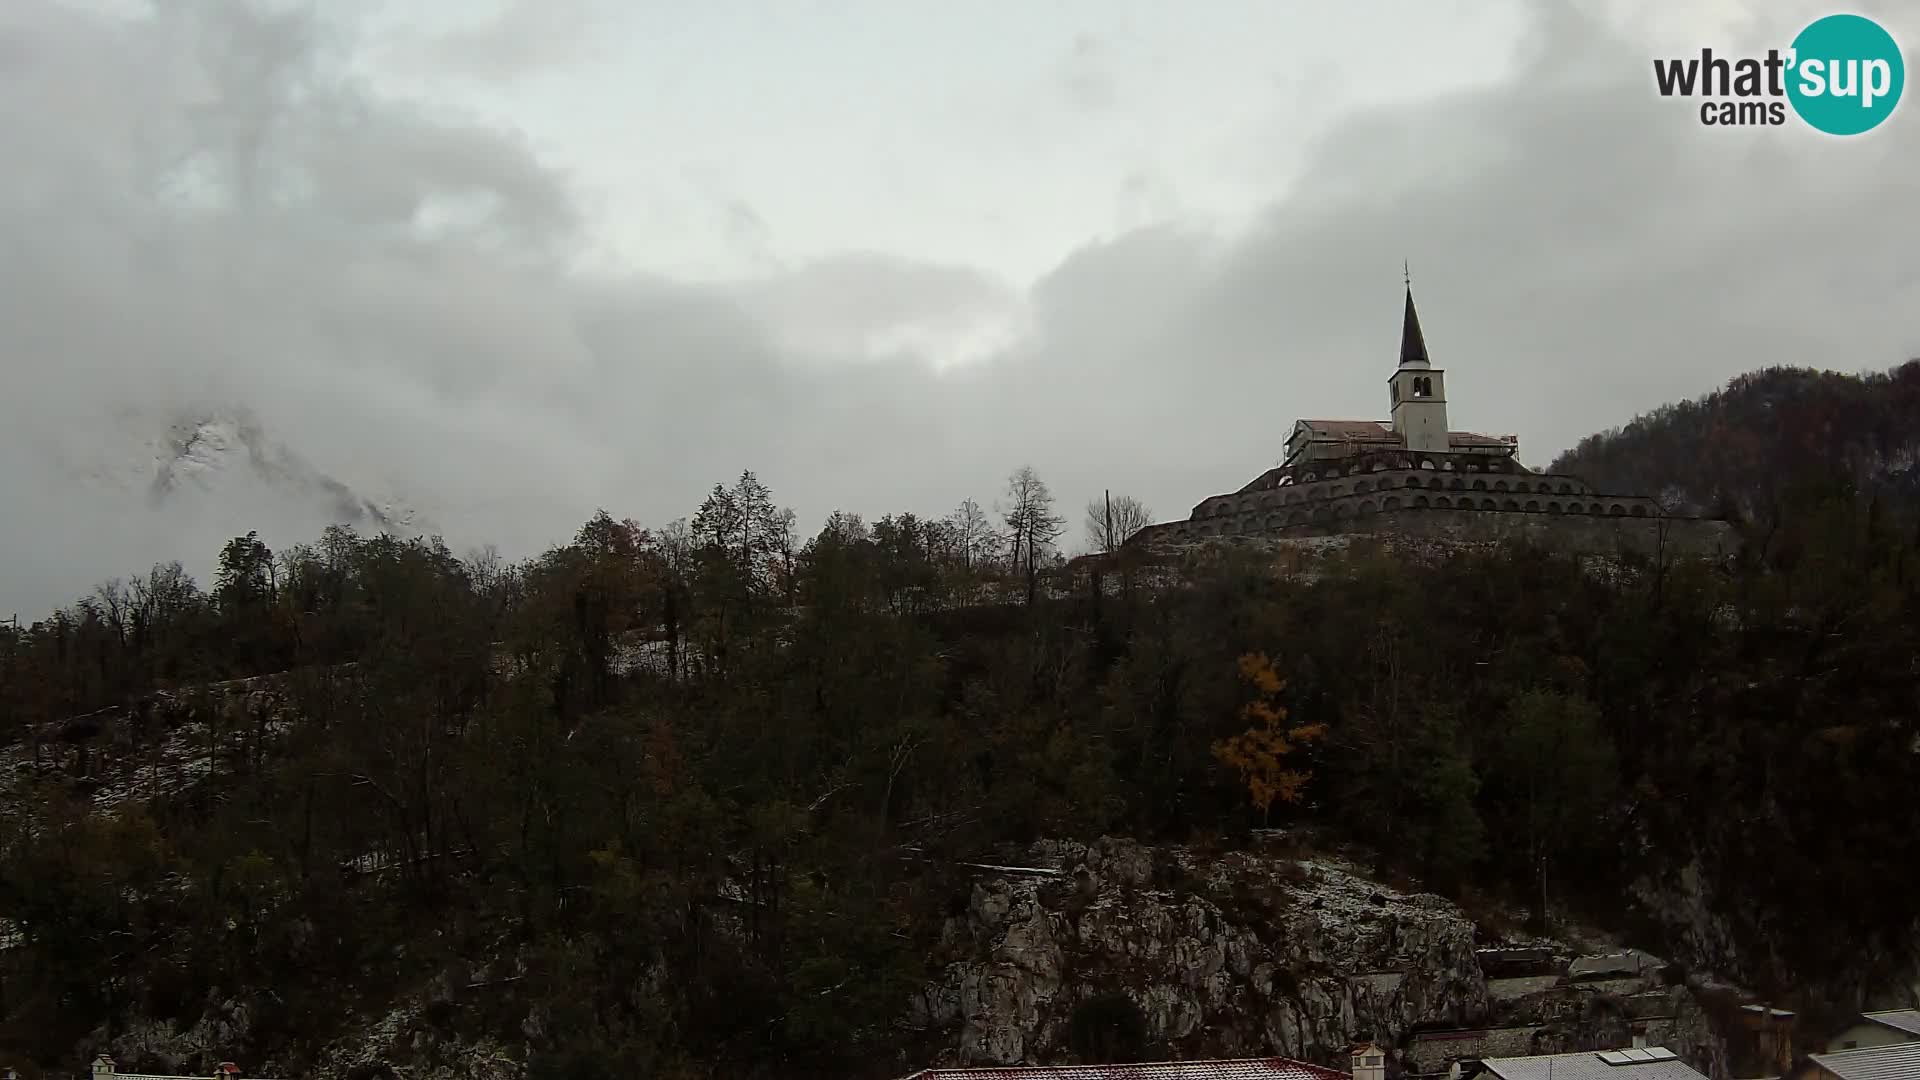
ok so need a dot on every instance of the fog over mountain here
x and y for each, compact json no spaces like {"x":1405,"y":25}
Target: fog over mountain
{"x":385,"y":302}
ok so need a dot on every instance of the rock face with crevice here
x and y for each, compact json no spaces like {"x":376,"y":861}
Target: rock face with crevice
{"x":1245,"y":954}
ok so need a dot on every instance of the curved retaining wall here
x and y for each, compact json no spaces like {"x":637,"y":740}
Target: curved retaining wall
{"x":1589,"y":534}
{"x":1605,"y":533}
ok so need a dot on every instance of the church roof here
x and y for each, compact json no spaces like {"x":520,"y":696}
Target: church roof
{"x":1413,"y":344}
{"x":1381,"y":431}
{"x":1351,"y":429}
{"x":1474,"y":438}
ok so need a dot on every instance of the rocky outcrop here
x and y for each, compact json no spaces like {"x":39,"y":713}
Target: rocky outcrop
{"x":1232,"y":955}
{"x":1711,"y":925}
{"x":407,"y":1040}
{"x":1688,"y":906}
{"x":158,"y":746}
{"x":156,"y":1045}
{"x":404,"y":1043}
{"x":1242,"y":954}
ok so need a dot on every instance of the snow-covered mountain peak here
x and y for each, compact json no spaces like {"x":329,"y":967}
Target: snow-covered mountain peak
{"x":222,"y":453}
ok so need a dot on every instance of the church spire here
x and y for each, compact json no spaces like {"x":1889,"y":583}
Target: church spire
{"x":1413,"y":346}
{"x":1417,"y":392}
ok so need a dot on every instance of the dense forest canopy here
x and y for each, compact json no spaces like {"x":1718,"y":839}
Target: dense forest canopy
{"x":1740,"y":450}
{"x":686,"y":801}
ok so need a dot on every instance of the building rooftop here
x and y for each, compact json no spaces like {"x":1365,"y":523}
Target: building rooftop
{"x":1374,"y":430}
{"x":1651,"y":1063}
{"x":103,"y":1067}
{"x":1240,"y":1069}
{"x":1907,"y":1020}
{"x":1899,"y":1061}
{"x":1381,"y":431}
{"x":1612,"y":965}
{"x":1474,"y":438}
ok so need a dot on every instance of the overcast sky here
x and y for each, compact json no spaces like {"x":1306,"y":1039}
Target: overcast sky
{"x":519,"y":260}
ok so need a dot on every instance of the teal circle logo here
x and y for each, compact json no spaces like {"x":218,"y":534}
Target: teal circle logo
{"x":1846,"y":74}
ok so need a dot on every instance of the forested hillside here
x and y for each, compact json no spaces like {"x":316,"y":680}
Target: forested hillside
{"x":687,"y":801}
{"x":1741,"y":451}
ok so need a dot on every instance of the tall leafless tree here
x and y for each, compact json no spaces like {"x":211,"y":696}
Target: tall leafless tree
{"x":1111,"y":521}
{"x":972,"y":534}
{"x":1032,"y":526}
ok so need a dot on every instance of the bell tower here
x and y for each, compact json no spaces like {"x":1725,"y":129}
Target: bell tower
{"x":1418,"y":390}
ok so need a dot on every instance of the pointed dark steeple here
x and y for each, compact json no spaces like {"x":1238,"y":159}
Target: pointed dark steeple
{"x":1413,"y":346}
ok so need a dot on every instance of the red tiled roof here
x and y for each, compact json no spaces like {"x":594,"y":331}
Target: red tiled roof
{"x":1241,"y":1069}
{"x":1351,"y":429}
{"x":1472,"y":438}
{"x":1382,"y":431}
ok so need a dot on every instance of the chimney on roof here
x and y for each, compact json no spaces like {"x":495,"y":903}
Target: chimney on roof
{"x":1369,"y":1062}
{"x":102,"y":1066}
{"x":1772,"y":1038}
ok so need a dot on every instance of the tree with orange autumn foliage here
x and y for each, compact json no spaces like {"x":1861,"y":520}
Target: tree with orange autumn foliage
{"x":1260,"y":752}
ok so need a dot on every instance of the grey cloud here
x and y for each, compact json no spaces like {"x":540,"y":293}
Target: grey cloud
{"x":522,"y":37}
{"x":747,"y":232}
{"x":1581,"y":251}
{"x":1084,"y":76}
{"x":869,"y":305}
{"x":1145,"y":197}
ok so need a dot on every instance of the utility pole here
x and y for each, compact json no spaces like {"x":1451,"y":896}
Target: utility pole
{"x":1107,"y":537}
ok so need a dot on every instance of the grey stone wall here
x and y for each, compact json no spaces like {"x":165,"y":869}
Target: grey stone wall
{"x":1582,"y":534}
{"x":1440,"y":497}
{"x":1303,"y":497}
{"x":1623,"y":523}
{"x":1432,"y":1052}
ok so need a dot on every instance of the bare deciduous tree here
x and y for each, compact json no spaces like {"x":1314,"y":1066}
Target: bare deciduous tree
{"x":972,"y":532}
{"x":1032,"y":526}
{"x":1110,"y":522}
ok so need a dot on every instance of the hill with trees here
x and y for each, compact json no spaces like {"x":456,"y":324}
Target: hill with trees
{"x":688,"y":801}
{"x":1742,"y":450}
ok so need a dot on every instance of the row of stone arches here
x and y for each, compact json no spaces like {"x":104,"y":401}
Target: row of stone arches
{"x":1498,"y":465}
{"x":1361,"y":487}
{"x":1246,"y":503}
{"x":1531,"y":506}
{"x":1327,"y":512}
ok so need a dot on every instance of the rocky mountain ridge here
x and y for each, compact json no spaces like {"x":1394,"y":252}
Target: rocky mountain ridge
{"x":219,"y":451}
